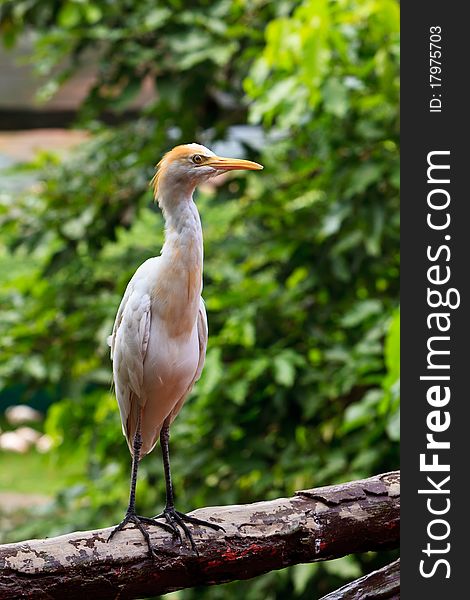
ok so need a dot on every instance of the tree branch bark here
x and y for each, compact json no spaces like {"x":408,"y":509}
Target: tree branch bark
{"x":313,"y":525}
{"x":379,"y":585}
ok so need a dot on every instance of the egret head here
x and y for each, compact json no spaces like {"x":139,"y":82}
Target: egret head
{"x":188,"y":165}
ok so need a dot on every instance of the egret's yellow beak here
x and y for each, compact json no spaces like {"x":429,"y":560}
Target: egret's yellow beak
{"x":231,"y":164}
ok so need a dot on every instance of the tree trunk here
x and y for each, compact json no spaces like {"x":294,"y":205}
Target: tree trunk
{"x":317,"y":524}
{"x":383,"y":584}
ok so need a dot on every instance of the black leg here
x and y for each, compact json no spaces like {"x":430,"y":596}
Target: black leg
{"x":131,"y":516}
{"x":172,"y":516}
{"x":165,"y":444}
{"x":137,"y":446}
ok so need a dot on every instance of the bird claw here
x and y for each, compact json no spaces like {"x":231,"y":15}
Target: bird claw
{"x":138,"y":522}
{"x":174,"y":517}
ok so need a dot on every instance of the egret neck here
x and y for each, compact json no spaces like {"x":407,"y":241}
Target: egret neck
{"x":182,"y":254}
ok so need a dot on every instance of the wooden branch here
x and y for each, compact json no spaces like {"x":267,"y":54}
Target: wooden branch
{"x":313,"y":525}
{"x":381,"y":584}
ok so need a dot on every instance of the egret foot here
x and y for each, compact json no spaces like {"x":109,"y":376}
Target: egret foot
{"x":173,"y":517}
{"x":138,"y":521}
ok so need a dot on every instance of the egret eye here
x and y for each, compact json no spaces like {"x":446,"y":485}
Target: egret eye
{"x":197,"y":159}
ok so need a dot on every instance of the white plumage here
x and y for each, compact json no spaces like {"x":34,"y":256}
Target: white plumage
{"x":157,"y":358}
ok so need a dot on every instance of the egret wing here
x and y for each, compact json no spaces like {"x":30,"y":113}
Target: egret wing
{"x":129,"y":343}
{"x":119,"y":315}
{"x":202,"y":330}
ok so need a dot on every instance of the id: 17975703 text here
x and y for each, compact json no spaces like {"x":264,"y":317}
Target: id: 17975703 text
{"x":435,"y":68}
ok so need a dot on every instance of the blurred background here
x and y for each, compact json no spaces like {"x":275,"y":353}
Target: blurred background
{"x":301,"y":383}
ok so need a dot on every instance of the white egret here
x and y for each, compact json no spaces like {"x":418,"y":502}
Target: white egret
{"x":159,"y":338}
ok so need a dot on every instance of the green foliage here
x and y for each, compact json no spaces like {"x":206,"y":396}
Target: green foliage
{"x":300,"y":386}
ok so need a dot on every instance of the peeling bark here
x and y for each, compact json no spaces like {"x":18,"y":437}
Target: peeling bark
{"x":383,"y":584}
{"x":313,"y":525}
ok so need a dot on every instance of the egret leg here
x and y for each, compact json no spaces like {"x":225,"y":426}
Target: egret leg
{"x":172,"y":516}
{"x":131,"y":516}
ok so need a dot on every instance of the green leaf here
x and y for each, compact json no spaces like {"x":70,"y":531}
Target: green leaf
{"x":364,"y":176}
{"x":70,"y":15}
{"x":212,"y":371}
{"x":393,"y":426}
{"x":284,"y":370}
{"x":361,"y":311}
{"x":156,"y":17}
{"x":346,"y":567}
{"x":335,"y":97}
{"x":92,"y":13}
{"x":361,"y":413}
{"x":392,"y":347}
{"x":301,"y":574}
